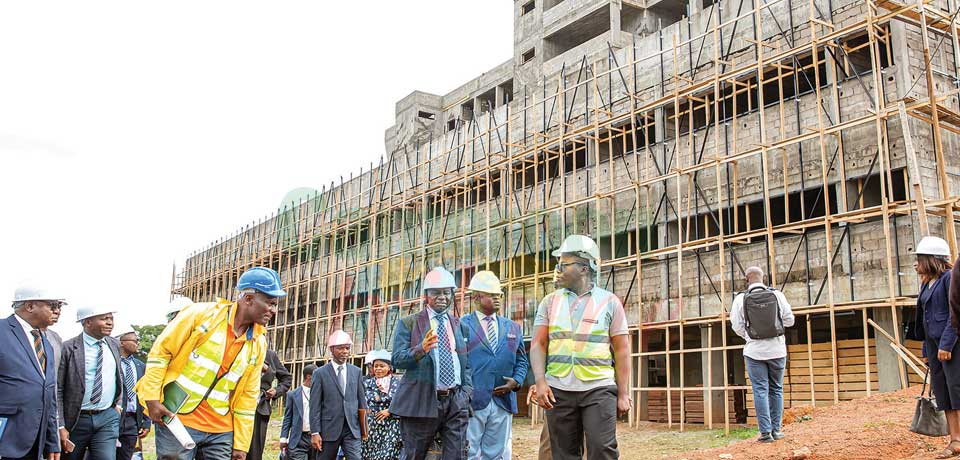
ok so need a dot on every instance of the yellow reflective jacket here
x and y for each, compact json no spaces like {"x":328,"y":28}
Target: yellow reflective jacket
{"x":172,"y":351}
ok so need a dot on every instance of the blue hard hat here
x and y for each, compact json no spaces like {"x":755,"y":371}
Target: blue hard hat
{"x":262,"y":279}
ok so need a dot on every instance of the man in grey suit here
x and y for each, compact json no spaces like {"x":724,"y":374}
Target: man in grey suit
{"x":336,"y":396}
{"x":89,"y":388}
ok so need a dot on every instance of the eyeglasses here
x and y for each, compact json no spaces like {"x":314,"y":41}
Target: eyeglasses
{"x":438,"y":293}
{"x":561,"y":265}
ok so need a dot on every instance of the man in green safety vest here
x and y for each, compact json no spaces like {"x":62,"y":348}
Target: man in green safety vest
{"x":580,"y":356}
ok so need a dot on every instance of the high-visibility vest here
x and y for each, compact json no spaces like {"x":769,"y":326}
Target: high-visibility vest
{"x":583,"y":349}
{"x":198,"y":377}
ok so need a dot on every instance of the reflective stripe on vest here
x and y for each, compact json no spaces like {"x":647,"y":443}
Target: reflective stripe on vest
{"x":200,"y":371}
{"x":585,"y":352}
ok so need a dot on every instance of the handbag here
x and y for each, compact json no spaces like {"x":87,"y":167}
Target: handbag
{"x":927,"y":420}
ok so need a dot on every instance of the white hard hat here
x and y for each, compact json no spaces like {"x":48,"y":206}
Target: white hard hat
{"x":124,"y":331}
{"x":339,"y":338}
{"x":380,"y":355}
{"x":178,"y":303}
{"x":88,"y":312}
{"x":439,"y":278}
{"x":580,"y":244}
{"x":30,"y":290}
{"x":933,"y":246}
{"x":485,"y":281}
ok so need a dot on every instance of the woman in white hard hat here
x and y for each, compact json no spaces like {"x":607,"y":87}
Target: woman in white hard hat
{"x":939,"y":336}
{"x":383,"y":442}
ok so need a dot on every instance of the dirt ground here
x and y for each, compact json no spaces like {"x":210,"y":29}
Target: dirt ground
{"x":870,"y":428}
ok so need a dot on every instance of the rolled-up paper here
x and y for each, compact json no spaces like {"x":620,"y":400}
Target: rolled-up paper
{"x":180,"y":432}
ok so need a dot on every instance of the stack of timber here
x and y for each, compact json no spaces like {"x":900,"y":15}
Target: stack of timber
{"x":851,"y":370}
{"x":693,"y":407}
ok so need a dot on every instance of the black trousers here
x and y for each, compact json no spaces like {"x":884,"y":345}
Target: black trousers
{"x":574,"y":410}
{"x":128,"y":436}
{"x":303,"y":450}
{"x":451,"y":423}
{"x":259,"y":439}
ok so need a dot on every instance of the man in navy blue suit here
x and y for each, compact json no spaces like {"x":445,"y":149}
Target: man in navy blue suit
{"x":434,"y":394}
{"x":498,"y":363}
{"x":295,"y":430}
{"x":28,"y":378}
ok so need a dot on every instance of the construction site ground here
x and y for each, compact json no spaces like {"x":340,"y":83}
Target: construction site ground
{"x":875,"y":427}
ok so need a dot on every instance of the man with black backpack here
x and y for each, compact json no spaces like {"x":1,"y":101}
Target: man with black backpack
{"x":759,"y":315}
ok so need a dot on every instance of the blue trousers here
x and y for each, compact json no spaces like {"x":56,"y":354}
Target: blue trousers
{"x":487,"y":432}
{"x":213,"y":446}
{"x":766,"y":377}
{"x":95,"y":436}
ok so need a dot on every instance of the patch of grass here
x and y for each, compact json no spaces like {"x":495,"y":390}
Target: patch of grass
{"x":739,"y":433}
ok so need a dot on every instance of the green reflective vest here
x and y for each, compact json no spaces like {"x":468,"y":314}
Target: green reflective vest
{"x":198,"y":377}
{"x":583,"y":348}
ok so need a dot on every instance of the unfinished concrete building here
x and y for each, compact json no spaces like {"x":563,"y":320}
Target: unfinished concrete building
{"x":810,"y":137}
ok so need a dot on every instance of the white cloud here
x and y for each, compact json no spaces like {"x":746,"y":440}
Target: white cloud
{"x":133,"y":133}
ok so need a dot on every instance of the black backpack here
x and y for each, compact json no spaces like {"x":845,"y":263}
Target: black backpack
{"x":761,"y":312}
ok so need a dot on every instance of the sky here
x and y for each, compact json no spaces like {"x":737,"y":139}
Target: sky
{"x":135,"y":133}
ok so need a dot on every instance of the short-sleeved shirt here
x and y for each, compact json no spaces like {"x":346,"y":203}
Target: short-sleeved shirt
{"x":614,"y":318}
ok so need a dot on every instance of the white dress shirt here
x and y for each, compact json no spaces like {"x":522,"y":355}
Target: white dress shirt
{"x":762,"y":349}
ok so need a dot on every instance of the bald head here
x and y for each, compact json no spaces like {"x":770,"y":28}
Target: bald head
{"x":753,"y":274}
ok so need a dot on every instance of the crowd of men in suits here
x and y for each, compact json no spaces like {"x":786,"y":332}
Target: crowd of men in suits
{"x":207,"y":385}
{"x":72,"y":398}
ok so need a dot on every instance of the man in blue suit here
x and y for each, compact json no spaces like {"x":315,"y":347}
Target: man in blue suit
{"x":434,"y":394}
{"x":28,"y":379}
{"x":498,"y":363}
{"x":295,"y":430}
{"x":336,"y":397}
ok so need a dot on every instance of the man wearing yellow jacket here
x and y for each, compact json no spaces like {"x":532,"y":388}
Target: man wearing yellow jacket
{"x":208,"y":362}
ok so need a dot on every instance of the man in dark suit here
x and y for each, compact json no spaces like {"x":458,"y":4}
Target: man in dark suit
{"x":336,"y":396}
{"x":90,"y":388}
{"x":133,"y":424}
{"x":498,"y":364}
{"x":28,"y":399}
{"x":273,"y":370}
{"x":434,"y":394}
{"x":295,"y":430}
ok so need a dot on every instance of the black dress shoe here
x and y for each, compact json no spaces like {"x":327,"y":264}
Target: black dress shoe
{"x":777,"y":435}
{"x":765,"y":437}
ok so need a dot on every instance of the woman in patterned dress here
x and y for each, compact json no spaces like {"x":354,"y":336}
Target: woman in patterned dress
{"x":383,"y":442}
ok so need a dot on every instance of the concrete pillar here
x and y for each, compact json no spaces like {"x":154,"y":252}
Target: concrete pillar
{"x":888,"y":370}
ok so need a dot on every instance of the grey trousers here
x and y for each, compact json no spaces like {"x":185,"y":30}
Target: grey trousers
{"x":596,"y":408}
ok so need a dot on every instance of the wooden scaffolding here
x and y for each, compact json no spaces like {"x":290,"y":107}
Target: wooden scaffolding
{"x":807,"y":137}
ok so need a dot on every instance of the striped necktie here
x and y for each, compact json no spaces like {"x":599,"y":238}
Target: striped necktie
{"x":98,"y":375}
{"x":129,"y":378}
{"x":447,"y":378}
{"x":38,"y":348}
{"x":491,"y":333}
